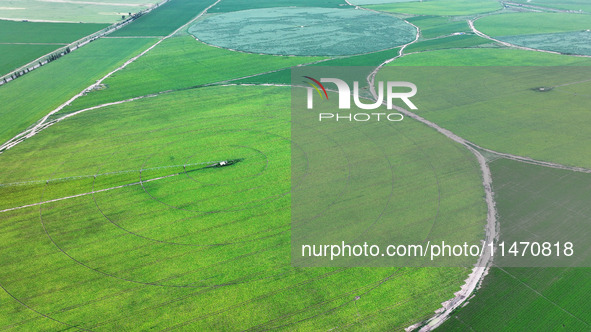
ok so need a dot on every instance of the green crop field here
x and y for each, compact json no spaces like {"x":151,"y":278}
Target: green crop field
{"x":165,"y":20}
{"x":440,"y":7}
{"x":172,"y":196}
{"x":498,"y":116}
{"x":195,"y":64}
{"x":44,"y":89}
{"x":532,"y":23}
{"x":115,"y":250}
{"x":456,"y":42}
{"x":511,"y":297}
{"x":375,"y":2}
{"x":22,"y":42}
{"x":74,"y":11}
{"x":235,"y":5}
{"x":303,"y":31}
{"x":437,"y":26}
{"x":575,"y":5}
{"x":36,"y":32}
{"x":16,"y":55}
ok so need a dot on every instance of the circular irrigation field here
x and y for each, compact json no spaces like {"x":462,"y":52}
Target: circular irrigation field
{"x":139,"y":216}
{"x":304,"y":31}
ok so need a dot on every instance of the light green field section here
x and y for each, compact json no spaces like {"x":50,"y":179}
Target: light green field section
{"x":378,"y":2}
{"x":15,"y":55}
{"x":41,"y":32}
{"x":28,"y":98}
{"x":458,"y":41}
{"x":440,"y":7}
{"x":513,"y":298}
{"x":195,"y":247}
{"x":304,"y":31}
{"x":558,"y":32}
{"x":574,"y":5}
{"x":567,"y":43}
{"x":488,"y":57}
{"x":236,"y":5}
{"x":501,"y":108}
{"x":436,"y":26}
{"x":194,"y":64}
{"x":17,"y":52}
{"x":165,"y":19}
{"x":98,"y":11}
{"x":532,"y":23}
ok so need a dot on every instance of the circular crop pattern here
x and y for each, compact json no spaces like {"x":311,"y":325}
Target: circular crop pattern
{"x":304,"y":31}
{"x":193,"y":215}
{"x":564,"y":33}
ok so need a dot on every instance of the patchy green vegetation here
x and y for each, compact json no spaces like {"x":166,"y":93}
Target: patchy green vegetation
{"x":23,"y":42}
{"x":574,"y":5}
{"x":514,"y":298}
{"x":42,"y":90}
{"x":146,"y":233}
{"x":440,"y":7}
{"x":437,"y":26}
{"x":16,"y":55}
{"x":304,"y":31}
{"x":488,"y":57}
{"x":97,"y":11}
{"x":565,"y":43}
{"x":457,"y":41}
{"x":194,"y":64}
{"x":41,"y":32}
{"x":498,"y":107}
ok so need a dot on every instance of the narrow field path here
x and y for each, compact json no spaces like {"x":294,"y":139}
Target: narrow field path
{"x":483,"y":35}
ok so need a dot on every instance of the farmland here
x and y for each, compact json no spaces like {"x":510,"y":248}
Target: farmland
{"x":511,"y":297}
{"x":36,"y":32}
{"x":37,"y":39}
{"x":436,"y":26}
{"x":574,"y":5}
{"x":262,"y":290}
{"x":70,"y":11}
{"x":66,"y":76}
{"x":15,"y":55}
{"x":439,"y":7}
{"x":172,"y":194}
{"x":236,"y":5}
{"x":564,"y":33}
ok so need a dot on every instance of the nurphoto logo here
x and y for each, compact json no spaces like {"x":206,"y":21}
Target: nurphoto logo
{"x":344,"y":101}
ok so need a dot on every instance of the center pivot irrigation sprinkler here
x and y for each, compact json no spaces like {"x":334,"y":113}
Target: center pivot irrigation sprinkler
{"x":225,"y":163}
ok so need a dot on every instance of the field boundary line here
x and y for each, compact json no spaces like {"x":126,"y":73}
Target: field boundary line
{"x":528,"y":160}
{"x":483,"y":35}
{"x":92,"y":192}
{"x":69,"y":47}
